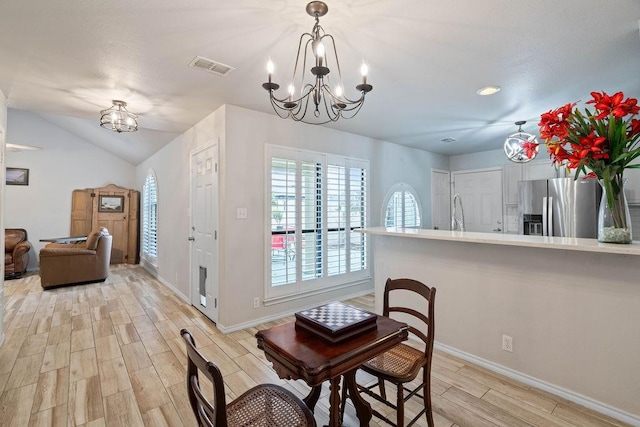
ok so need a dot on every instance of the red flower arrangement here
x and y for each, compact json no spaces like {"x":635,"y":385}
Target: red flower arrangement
{"x":605,"y":142}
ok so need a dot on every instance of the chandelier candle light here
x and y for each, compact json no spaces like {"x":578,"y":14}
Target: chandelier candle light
{"x":328,"y":104}
{"x":606,"y":142}
{"x":118,"y":118}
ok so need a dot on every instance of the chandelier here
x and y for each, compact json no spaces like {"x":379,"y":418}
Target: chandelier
{"x":517,"y":144}
{"x":118,"y":118}
{"x":326,"y":98}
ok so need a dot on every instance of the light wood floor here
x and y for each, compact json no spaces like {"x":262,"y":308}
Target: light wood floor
{"x":111,"y":354}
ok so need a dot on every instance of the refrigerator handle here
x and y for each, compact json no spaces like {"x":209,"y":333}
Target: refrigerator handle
{"x":550,"y":216}
{"x":545,"y":232}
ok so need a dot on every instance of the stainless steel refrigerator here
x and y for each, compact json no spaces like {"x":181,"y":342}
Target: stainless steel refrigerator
{"x":561,"y":207}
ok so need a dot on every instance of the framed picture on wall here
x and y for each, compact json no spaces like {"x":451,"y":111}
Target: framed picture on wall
{"x":113,"y":204}
{"x":17,"y":176}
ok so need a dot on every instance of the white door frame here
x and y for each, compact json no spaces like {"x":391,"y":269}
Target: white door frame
{"x":212,"y":309}
{"x":2,"y":196}
{"x":433,"y":192}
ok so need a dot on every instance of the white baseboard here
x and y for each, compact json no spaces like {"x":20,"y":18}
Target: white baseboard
{"x":152,"y":270}
{"x":256,"y":322}
{"x":572,"y":396}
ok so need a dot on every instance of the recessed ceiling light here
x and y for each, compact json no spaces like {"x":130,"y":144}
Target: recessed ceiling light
{"x":488,"y":90}
{"x":448,"y":139}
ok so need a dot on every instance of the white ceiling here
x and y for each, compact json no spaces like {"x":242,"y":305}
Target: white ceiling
{"x":67,"y":59}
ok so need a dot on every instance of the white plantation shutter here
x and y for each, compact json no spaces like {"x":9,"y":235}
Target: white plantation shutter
{"x":316,"y":204}
{"x":411,"y":212}
{"x":336,"y":219}
{"x":150,"y":219}
{"x":311,"y":220}
{"x":283,"y":220}
{"x":357,"y":218}
{"x":394,"y":210}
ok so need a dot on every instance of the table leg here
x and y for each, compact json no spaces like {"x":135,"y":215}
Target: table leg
{"x":334,"y":402}
{"x":312,"y":397}
{"x":363,"y":409}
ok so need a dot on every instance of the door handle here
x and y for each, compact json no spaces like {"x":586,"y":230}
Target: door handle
{"x":497,"y":229}
{"x":191,"y":238}
{"x":550,"y":216}
{"x":545,"y":222}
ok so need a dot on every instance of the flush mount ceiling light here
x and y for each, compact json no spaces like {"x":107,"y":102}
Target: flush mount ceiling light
{"x":326,"y":97}
{"x":521,"y":147}
{"x":488,"y":90}
{"x":20,"y":147}
{"x":118,"y":119}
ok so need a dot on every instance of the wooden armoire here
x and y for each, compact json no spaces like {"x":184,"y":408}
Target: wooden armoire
{"x":113,"y":207}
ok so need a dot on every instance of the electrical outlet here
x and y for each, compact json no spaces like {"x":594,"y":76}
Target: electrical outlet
{"x":241,"y":213}
{"x":507,"y":343}
{"x":256,"y":302}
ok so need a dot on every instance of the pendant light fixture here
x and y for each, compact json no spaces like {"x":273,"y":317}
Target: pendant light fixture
{"x":521,"y":147}
{"x":118,"y":118}
{"x":323,"y":94}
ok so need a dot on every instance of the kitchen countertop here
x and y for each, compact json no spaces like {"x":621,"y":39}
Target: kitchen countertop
{"x":563,"y":243}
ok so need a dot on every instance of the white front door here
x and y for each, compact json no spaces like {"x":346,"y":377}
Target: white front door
{"x":204,"y":234}
{"x":440,"y":199}
{"x":481,"y":194}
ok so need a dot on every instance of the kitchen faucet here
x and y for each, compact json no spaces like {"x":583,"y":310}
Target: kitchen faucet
{"x":457,"y":223}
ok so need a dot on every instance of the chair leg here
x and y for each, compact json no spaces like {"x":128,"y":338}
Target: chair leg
{"x":426,"y":391}
{"x":400,"y":405}
{"x":383,"y":391}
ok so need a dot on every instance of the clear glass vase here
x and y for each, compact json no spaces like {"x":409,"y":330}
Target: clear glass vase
{"x":614,"y":220}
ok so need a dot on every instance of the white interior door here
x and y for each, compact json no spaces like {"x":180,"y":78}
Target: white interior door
{"x":481,"y":193}
{"x":204,"y":234}
{"x":440,"y":199}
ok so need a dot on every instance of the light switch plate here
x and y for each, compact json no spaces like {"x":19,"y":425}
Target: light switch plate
{"x":241,"y":213}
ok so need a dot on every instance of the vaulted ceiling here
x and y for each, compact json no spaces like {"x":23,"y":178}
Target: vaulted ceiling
{"x":67,"y":59}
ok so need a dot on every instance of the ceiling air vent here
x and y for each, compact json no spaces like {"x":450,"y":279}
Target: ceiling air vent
{"x":211,"y":66}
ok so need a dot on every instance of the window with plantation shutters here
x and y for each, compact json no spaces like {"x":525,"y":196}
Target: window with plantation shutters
{"x":316,"y":204}
{"x":150,"y":219}
{"x":402,"y":207}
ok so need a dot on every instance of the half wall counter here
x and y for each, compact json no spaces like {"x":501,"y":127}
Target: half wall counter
{"x":572,"y":307}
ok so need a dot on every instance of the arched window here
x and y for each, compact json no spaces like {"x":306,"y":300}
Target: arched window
{"x":150,"y":218}
{"x":402,"y":207}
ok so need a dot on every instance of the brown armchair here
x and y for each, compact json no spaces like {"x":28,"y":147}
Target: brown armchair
{"x":16,"y":252}
{"x":65,"y":264}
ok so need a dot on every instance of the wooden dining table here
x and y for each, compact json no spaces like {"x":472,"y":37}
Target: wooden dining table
{"x":300,"y":354}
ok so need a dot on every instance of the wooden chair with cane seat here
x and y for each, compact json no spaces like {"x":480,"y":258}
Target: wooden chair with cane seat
{"x":265,"y":405}
{"x":403,"y":363}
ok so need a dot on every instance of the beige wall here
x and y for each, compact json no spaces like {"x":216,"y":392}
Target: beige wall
{"x":243,"y":185}
{"x":66,"y":162}
{"x":574,"y":316}
{"x":3,"y":126}
{"x":243,"y":135}
{"x":172,"y":167}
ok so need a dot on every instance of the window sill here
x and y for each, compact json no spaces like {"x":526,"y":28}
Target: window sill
{"x":301,"y":295}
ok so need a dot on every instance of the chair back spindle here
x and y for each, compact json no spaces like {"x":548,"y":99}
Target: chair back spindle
{"x":402,"y":364}
{"x":208,"y":415}
{"x":267,"y":405}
